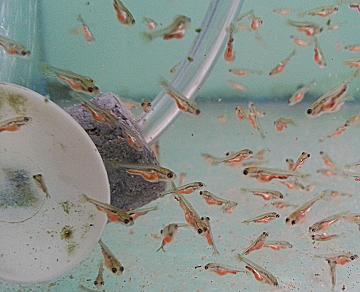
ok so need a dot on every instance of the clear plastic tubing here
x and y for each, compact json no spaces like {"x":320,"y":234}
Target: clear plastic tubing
{"x":191,"y":75}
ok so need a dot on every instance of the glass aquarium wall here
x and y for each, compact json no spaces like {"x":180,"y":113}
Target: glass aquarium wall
{"x":254,"y":187}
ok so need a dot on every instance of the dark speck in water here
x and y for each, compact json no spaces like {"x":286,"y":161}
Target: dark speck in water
{"x":198,"y":30}
{"x":190,"y":59}
{"x":67,"y":233}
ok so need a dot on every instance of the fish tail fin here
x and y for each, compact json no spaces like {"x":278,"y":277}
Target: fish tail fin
{"x":84,"y":198}
{"x":147,"y":37}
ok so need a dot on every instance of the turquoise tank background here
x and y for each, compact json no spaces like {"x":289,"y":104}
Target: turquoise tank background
{"x":122,"y":62}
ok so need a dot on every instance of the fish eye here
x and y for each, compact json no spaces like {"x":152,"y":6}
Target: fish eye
{"x":114,"y":270}
{"x":205,"y":229}
{"x":308,"y":155}
{"x":95,"y":282}
{"x":309,"y":111}
{"x":313,"y":237}
{"x":143,"y":103}
{"x":90,"y":89}
{"x":207,"y":218}
{"x":126,"y":221}
{"x":250,"y":152}
{"x":121,"y":269}
{"x":206,"y":267}
{"x":199,"y":231}
{"x":24,"y":53}
{"x":201,"y":192}
{"x":303,"y":153}
{"x":293,"y":222}
{"x":227,"y":153}
{"x":201,"y":184}
{"x":176,"y":226}
{"x":321,"y":152}
{"x":346,"y":124}
{"x":353,"y":257}
{"x":170,"y":175}
{"x":277,"y":215}
{"x":202,"y":218}
{"x":246,"y":171}
{"x":197,"y":112}
{"x":161,"y":231}
{"x":265,"y":233}
{"x":281,"y":196}
{"x":287,"y":220}
{"x":26,"y":119}
{"x":102,"y":283}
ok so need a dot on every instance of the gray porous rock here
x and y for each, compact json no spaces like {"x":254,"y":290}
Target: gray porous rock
{"x":127,"y":191}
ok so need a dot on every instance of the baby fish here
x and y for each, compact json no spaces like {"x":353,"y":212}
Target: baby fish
{"x":89,"y":37}
{"x":151,"y":24}
{"x":353,"y":218}
{"x":99,"y":281}
{"x":330,"y":172}
{"x":231,"y":158}
{"x":299,"y":94}
{"x":111,"y":262}
{"x":352,"y":63}
{"x":168,"y":233}
{"x":256,"y":23}
{"x":114,"y":214}
{"x":290,"y":163}
{"x":220,"y":269}
{"x":253,"y":116}
{"x":244,"y":72}
{"x":237,"y":86}
{"x":136,"y":213}
{"x":300,"y":42}
{"x":308,"y":28}
{"x":182,"y":103}
{"x":335,"y":194}
{"x":323,"y":11}
{"x":212,"y":199}
{"x":39,"y":179}
{"x":324,"y":237}
{"x":342,"y":260}
{"x":146,"y":105}
{"x":259,"y":273}
{"x":123,"y":14}
{"x":277,"y":245}
{"x":241,"y":113}
{"x":355,"y":6}
{"x":280,"y":68}
{"x":150,"y":173}
{"x":257,"y":244}
{"x":100,"y":115}
{"x":191,"y":216}
{"x":282,"y":204}
{"x":75,"y":81}
{"x":300,"y":161}
{"x":209,"y":236}
{"x":352,"y":165}
{"x":295,"y":184}
{"x":327,"y":160}
{"x":337,"y":133}
{"x":319,"y":57}
{"x":282,"y":11}
{"x":13,"y":124}
{"x":176,"y":30}
{"x":282,"y":123}
{"x":186,"y":189}
{"x":263,"y":174}
{"x":264,"y":193}
{"x":229,"y":55}
{"x":263,"y":218}
{"x":325,"y":223}
{"x":299,"y":214}
{"x":13,"y":48}
{"x":330,"y":102}
{"x":353,"y":48}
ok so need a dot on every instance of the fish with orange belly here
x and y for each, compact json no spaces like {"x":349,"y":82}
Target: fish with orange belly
{"x":299,"y":214}
{"x":266,"y":194}
{"x":263,"y":218}
{"x":150,"y":173}
{"x":229,"y":55}
{"x":228,"y":206}
{"x":260,"y":274}
{"x":14,"y":124}
{"x":182,"y":103}
{"x":325,"y":223}
{"x":186,"y":189}
{"x":299,"y":95}
{"x":76,"y":82}
{"x":13,"y":48}
{"x":168,"y":233}
{"x":281,"y":124}
{"x":110,"y":261}
{"x":257,"y":244}
{"x":231,"y":158}
{"x":221,"y":270}
{"x":280,"y":68}
{"x":123,"y":14}
{"x":176,"y":30}
{"x":265,"y":175}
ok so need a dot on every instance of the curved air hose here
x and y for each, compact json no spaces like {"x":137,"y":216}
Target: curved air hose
{"x":191,"y":75}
